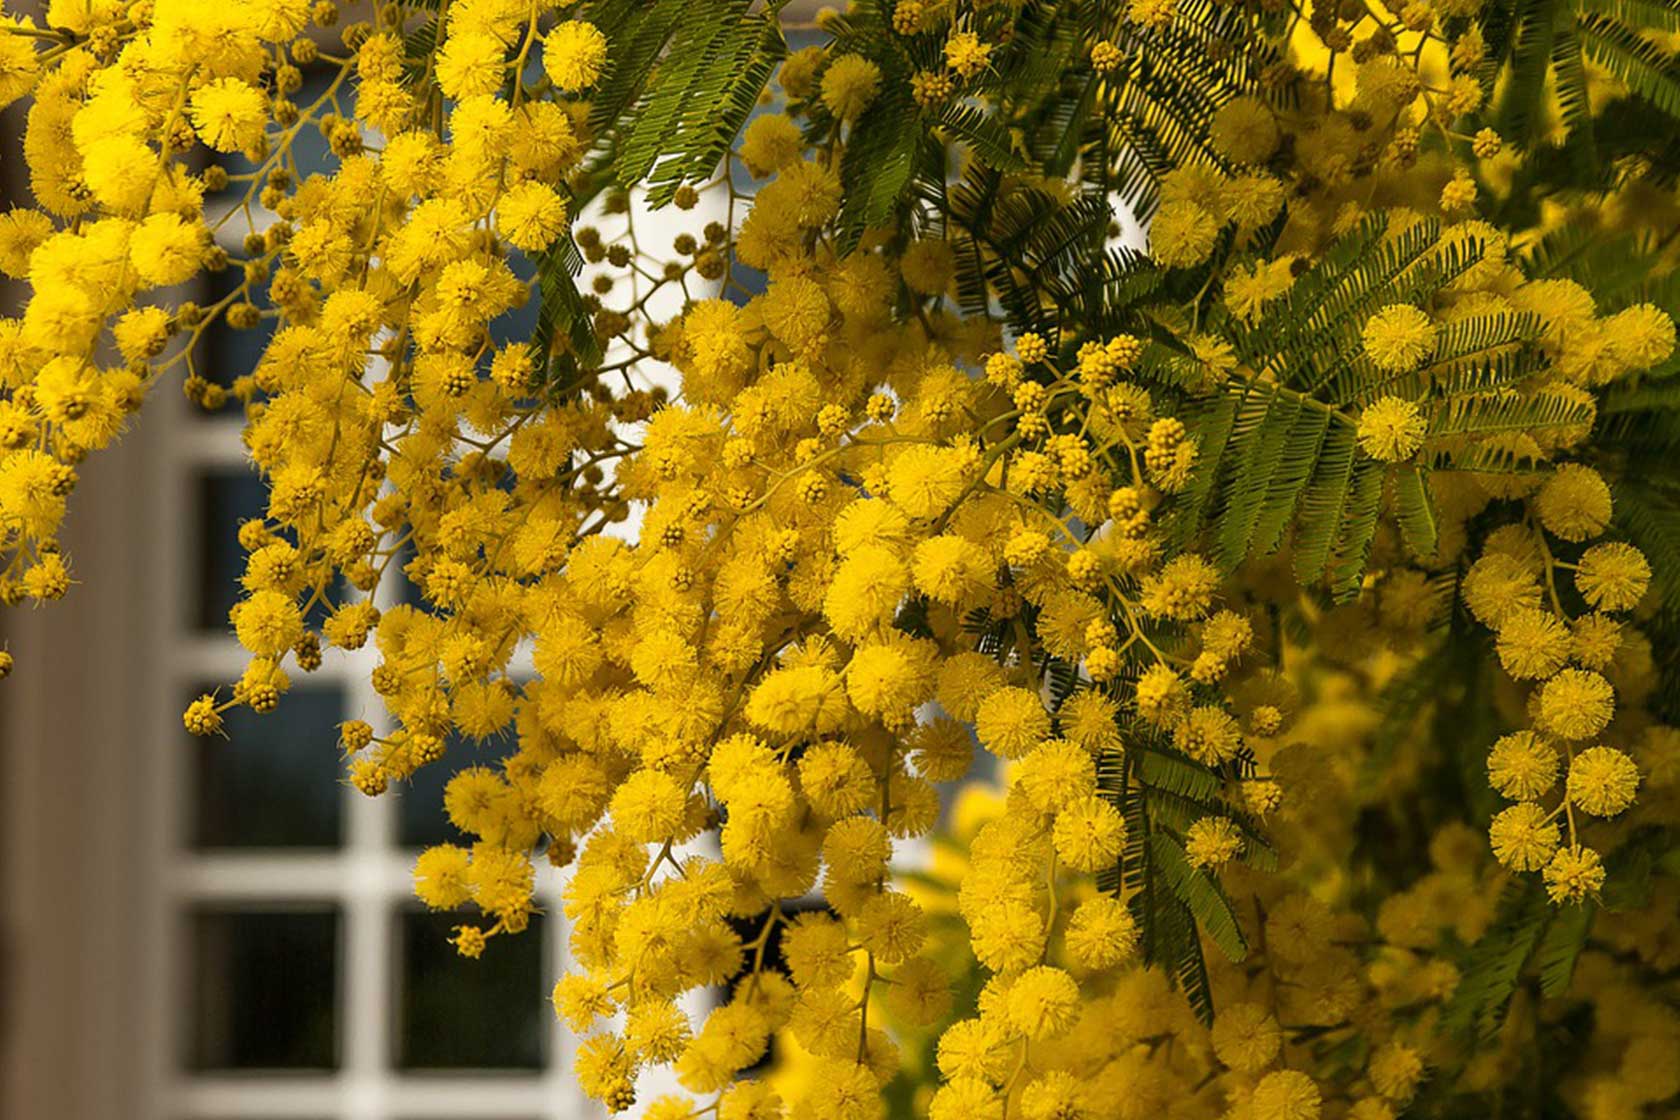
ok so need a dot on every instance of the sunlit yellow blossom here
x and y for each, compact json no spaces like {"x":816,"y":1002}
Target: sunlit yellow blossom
{"x":1603,"y":781}
{"x":1399,"y":337}
{"x":573,"y":54}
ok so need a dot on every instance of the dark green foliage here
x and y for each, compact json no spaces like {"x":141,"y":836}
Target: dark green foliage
{"x":1416,"y":510}
{"x":879,"y":162}
{"x":1534,"y":45}
{"x":1200,"y":892}
{"x":680,"y":80}
{"x":697,"y":98}
{"x":562,"y":315}
{"x":1494,"y":966}
{"x":1531,"y":936}
{"x":1161,"y":791}
{"x":1561,"y":947}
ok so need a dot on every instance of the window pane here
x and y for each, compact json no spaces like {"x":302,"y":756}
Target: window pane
{"x":222,"y":352}
{"x":520,"y":324}
{"x":226,"y":499}
{"x":274,"y":782}
{"x":309,"y":152}
{"x":463,"y":1014}
{"x":265,"y":989}
{"x":421,"y":821}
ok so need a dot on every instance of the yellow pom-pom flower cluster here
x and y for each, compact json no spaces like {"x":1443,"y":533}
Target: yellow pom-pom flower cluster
{"x":894,"y":509}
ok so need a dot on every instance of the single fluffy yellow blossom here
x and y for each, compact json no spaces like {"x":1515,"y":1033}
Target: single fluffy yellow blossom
{"x":574,"y":53}
{"x":1399,"y":338}
{"x":849,"y":86}
{"x":1603,"y":781}
{"x":229,"y":115}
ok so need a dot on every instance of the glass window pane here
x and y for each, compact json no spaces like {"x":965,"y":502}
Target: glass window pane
{"x":457,"y":1013}
{"x":222,"y":352}
{"x":275,"y":780}
{"x":309,"y":152}
{"x":421,"y":821}
{"x":265,"y":989}
{"x":226,"y":500}
{"x":520,"y":324}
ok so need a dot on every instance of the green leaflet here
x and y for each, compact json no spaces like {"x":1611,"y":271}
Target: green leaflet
{"x":982,"y":134}
{"x":878,"y":163}
{"x":1635,"y":60}
{"x":1178,"y":774}
{"x":1157,"y":106}
{"x":697,"y":98}
{"x":1302,"y":448}
{"x":1202,"y":894}
{"x":1157,"y":790}
{"x":1483,"y":372}
{"x":1016,"y":243}
{"x":1324,"y":505}
{"x":1311,"y":336}
{"x":1527,"y":51}
{"x":637,"y":35}
{"x":1166,"y":925}
{"x":562,"y":314}
{"x":1478,"y":341}
{"x":1416,"y":510}
{"x":1507,"y":411}
{"x":1531,"y":931}
{"x":1180,"y":948}
{"x":1260,"y":438}
{"x":1495,"y":963}
{"x":1109,"y":295}
{"x":1358,"y":529}
{"x":1565,"y":937}
{"x":1272,"y":458}
{"x":1536,"y":47}
{"x":1210,"y":425}
{"x":1651,"y":14}
{"x":1570,"y":76}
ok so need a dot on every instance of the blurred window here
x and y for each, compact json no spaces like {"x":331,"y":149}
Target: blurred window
{"x":298,"y":976}
{"x":302,"y":979}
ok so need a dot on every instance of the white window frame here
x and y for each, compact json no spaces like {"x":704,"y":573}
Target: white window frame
{"x":367,"y":879}
{"x":98,"y":881}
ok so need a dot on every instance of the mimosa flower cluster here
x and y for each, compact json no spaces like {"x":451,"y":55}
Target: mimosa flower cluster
{"x":932,"y":519}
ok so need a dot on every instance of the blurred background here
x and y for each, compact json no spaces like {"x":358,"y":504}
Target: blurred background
{"x":212,"y":929}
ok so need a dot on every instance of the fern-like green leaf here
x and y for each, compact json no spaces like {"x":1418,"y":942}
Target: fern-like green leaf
{"x":1495,"y":963}
{"x":1646,"y":68}
{"x":1653,"y":15}
{"x":1202,"y":893}
{"x":1508,"y":411}
{"x":563,"y":322}
{"x":1172,"y":772}
{"x":695,"y":99}
{"x":1260,"y":439}
{"x":878,"y":163}
{"x":1527,"y":57}
{"x":1302,"y":448}
{"x":1416,"y":509}
{"x":1566,"y":936}
{"x":1358,"y":530}
{"x":982,"y":134}
{"x":1324,"y":504}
